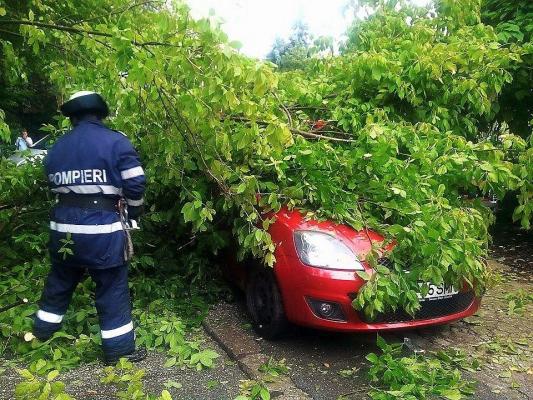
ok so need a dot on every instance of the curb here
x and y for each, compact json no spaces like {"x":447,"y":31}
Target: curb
{"x":246,"y":368}
{"x":223,"y":325}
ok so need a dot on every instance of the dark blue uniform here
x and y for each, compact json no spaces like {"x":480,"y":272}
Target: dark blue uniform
{"x":92,"y":161}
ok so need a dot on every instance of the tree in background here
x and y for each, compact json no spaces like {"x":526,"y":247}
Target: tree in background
{"x":301,"y":46}
{"x":324,"y":45}
{"x":27,"y":97}
{"x":294,"y":52}
{"x":513,"y":23}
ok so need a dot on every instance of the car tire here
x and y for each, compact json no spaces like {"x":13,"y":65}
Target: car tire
{"x":264,"y":303}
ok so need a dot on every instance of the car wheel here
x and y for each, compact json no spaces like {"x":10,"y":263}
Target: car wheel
{"x":265,"y":305}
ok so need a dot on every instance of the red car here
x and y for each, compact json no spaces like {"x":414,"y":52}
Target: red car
{"x":314,"y":281}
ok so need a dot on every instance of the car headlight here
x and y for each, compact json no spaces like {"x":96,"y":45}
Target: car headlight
{"x":319,"y":249}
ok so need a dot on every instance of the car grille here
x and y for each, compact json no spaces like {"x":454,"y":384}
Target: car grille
{"x":428,"y":309}
{"x":386,"y":262}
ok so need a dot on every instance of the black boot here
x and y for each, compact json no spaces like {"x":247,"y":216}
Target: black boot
{"x":137,"y":355}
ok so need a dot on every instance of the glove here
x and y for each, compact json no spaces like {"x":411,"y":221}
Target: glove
{"x":135,"y":212}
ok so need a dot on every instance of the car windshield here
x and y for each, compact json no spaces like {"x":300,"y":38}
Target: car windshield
{"x":43,"y":143}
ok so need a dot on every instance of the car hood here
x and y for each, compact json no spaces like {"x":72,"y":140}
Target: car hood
{"x":360,"y":242}
{"x":21,"y":157}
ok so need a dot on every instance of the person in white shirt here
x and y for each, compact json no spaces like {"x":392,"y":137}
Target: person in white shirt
{"x":24,"y":141}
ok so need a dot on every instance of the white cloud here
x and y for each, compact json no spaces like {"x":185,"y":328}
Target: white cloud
{"x":256,"y":23}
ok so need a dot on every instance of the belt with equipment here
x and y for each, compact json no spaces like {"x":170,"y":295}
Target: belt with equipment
{"x":88,"y":201}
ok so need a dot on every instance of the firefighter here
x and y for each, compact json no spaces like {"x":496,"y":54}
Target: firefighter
{"x":93,"y":170}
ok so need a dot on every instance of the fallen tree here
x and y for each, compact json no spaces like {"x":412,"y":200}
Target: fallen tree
{"x":399,"y":148}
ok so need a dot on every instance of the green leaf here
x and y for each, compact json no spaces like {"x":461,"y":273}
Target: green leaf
{"x":52,"y":375}
{"x":373,"y":358}
{"x":40,"y":364}
{"x":212,"y":384}
{"x":264,"y":393}
{"x":173,"y":384}
{"x":165,"y":395}
{"x":452,"y":394}
{"x":26,"y":374}
{"x":170,"y":362}
{"x":363,"y":275}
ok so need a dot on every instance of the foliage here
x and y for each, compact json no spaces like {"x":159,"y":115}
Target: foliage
{"x":4,"y":128}
{"x":129,"y":381}
{"x":513,"y":23}
{"x":409,"y":96}
{"x":274,"y":368}
{"x":253,"y":390}
{"x":40,"y":382}
{"x":347,"y":373}
{"x":177,"y":309}
{"x":163,"y":325}
{"x":512,"y":354}
{"x":27,"y":98}
{"x":258,"y":389}
{"x":524,"y":211}
{"x":414,"y":377}
{"x":518,"y":301}
{"x":402,"y":150}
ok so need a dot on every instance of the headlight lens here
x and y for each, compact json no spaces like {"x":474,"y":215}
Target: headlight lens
{"x":319,"y":249}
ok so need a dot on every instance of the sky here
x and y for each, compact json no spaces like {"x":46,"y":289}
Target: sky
{"x":257,"y":23}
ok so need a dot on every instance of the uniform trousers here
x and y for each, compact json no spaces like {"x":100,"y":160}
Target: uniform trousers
{"x":112,"y":300}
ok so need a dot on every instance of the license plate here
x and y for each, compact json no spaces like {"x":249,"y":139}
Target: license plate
{"x":441,"y":291}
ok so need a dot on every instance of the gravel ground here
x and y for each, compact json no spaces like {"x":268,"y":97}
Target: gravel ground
{"x":221,"y":382}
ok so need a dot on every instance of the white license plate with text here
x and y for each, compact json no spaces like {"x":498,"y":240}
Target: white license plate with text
{"x":438,"y":292}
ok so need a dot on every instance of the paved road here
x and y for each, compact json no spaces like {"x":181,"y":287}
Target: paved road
{"x":317,"y":358}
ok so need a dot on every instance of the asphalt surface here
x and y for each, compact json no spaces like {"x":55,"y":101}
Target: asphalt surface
{"x":315,"y":358}
{"x":329,"y":366}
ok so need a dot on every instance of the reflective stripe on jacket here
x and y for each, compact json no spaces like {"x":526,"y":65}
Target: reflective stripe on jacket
{"x":92,"y":159}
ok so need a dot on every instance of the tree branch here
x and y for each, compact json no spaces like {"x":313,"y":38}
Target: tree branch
{"x":121,"y":11}
{"x":78,"y":31}
{"x":55,"y":27}
{"x":284,"y":108}
{"x":309,"y":135}
{"x":10,"y":306}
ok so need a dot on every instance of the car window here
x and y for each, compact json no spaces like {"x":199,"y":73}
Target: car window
{"x":43,"y":144}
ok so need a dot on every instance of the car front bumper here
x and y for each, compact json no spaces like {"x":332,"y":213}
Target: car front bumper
{"x":300,"y":283}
